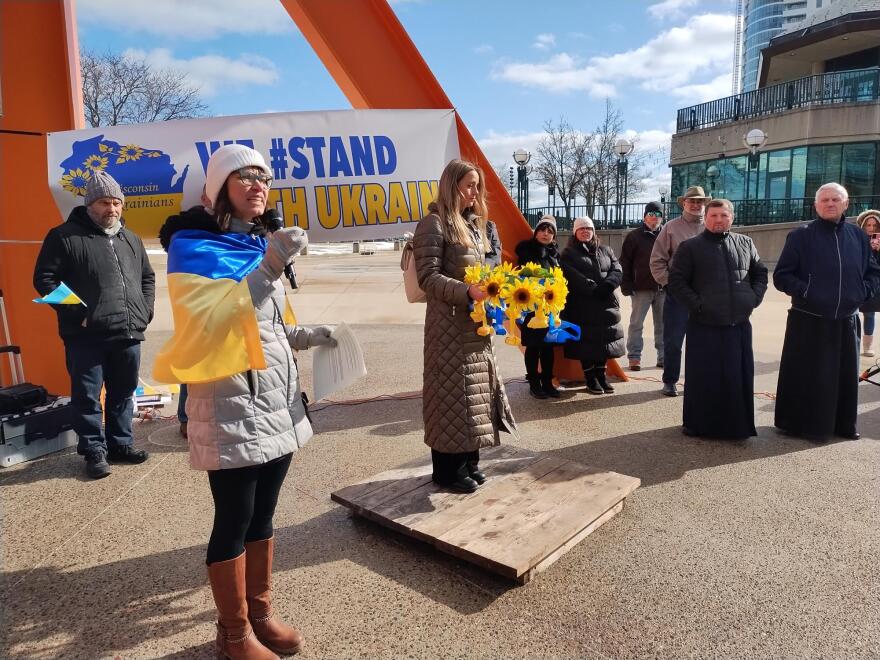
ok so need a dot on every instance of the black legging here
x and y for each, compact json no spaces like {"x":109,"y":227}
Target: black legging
{"x":244,"y":503}
{"x":542,"y":354}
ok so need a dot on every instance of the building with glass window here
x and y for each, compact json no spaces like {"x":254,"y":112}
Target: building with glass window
{"x":762,"y":20}
{"x":818,"y":102}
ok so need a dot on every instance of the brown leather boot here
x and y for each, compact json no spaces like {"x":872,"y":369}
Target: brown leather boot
{"x":235,"y":637}
{"x":271,"y":631}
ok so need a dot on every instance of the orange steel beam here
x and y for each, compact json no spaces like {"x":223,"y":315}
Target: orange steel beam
{"x":41,"y":92}
{"x":376,"y":65}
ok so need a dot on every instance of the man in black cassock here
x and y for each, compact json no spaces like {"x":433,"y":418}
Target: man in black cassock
{"x":718,"y":276}
{"x":826,"y":268}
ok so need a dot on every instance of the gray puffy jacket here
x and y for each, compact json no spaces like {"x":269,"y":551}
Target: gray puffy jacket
{"x":255,"y":416}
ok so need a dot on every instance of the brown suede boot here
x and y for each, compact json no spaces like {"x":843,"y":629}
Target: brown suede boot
{"x":235,"y":637}
{"x":272,"y":632}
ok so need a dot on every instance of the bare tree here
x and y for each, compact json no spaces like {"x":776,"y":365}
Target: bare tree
{"x":124,"y":90}
{"x":599,"y":186}
{"x":561,"y":160}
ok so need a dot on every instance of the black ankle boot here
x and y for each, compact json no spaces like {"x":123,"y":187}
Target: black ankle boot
{"x":603,"y":382}
{"x":593,"y":386}
{"x":535,"y":388}
{"x":549,"y":390}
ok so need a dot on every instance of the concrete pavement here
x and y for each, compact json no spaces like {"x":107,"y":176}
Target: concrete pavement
{"x":766,"y":548}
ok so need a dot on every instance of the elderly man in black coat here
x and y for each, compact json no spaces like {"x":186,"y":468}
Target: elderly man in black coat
{"x":719,"y":277}
{"x":827,"y":269}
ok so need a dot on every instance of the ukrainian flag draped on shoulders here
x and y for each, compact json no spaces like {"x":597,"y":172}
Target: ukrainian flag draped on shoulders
{"x":215,"y":324}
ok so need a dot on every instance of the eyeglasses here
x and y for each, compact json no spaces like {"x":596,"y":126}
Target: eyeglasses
{"x":654,"y":214}
{"x":250,"y":177}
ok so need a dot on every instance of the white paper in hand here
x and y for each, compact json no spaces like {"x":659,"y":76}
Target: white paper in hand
{"x":337,"y":367}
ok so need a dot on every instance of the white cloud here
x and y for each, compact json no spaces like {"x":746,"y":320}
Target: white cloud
{"x":669,"y":8}
{"x":213,"y":73}
{"x":678,"y":57}
{"x":714,"y":89}
{"x":499,"y":147}
{"x":544,"y":41}
{"x":193,"y":19}
{"x":484,"y":49}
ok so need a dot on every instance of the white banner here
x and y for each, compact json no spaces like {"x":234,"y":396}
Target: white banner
{"x":341,"y":175}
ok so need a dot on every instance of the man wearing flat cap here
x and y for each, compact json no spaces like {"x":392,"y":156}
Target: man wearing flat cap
{"x":106,"y":265}
{"x":675,"y":315}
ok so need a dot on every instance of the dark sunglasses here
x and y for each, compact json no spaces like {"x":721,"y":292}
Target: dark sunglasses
{"x":654,"y":214}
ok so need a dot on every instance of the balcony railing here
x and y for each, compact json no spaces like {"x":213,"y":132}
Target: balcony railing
{"x":861,"y":85}
{"x":746,"y":212}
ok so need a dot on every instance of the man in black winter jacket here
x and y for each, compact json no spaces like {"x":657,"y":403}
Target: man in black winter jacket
{"x":640,"y":286}
{"x":106,"y":265}
{"x":827,"y":268}
{"x":719,"y":278}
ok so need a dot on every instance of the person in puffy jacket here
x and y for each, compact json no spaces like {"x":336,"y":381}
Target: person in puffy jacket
{"x":243,"y":427}
{"x":540,"y":249}
{"x":827,"y":269}
{"x":464,"y":404}
{"x":593,"y":274}
{"x":869,"y":221}
{"x":105,"y":264}
{"x":720,"y":279}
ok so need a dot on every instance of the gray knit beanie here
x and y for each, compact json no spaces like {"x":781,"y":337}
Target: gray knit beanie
{"x":102,"y":185}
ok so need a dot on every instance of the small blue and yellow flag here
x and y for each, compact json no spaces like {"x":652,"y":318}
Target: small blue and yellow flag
{"x":62,"y":295}
{"x":215,"y":324}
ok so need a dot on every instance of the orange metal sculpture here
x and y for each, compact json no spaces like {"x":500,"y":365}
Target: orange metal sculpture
{"x":41,"y":92}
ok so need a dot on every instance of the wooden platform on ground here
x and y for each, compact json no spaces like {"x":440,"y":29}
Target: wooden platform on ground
{"x":533,"y":508}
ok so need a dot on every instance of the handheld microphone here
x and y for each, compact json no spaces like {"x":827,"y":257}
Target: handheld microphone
{"x":273,"y":221}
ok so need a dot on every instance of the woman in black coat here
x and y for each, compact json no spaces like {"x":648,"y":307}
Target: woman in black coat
{"x":593,"y":274}
{"x":540,"y":249}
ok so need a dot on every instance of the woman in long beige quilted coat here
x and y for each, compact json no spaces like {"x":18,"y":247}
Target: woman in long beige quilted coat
{"x":463,"y":399}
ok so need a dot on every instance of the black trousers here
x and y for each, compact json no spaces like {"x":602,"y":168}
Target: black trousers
{"x":542,"y":354}
{"x":452,"y":467}
{"x":589,"y":365}
{"x":244,"y":504}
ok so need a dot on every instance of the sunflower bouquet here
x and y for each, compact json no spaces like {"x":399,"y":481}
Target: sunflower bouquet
{"x":513,"y":292}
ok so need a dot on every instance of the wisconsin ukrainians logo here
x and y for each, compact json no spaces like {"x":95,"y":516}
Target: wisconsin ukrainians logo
{"x":146,"y":177}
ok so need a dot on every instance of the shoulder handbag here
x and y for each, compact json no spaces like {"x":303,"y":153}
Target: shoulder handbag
{"x":414,"y":293}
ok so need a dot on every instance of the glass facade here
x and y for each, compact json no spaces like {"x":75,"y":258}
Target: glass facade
{"x":784,"y":174}
{"x":762,"y":21}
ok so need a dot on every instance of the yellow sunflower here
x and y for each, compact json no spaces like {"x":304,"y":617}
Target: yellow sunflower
{"x":530,"y":269}
{"x":473,"y":274}
{"x":493,"y":286}
{"x":506,"y":270}
{"x":95,"y":162}
{"x":539,"y":320}
{"x":522,"y":294}
{"x":75,"y":181}
{"x":555,"y":293}
{"x":129,"y":152}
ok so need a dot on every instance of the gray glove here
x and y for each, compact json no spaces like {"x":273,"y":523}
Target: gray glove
{"x":283,"y":246}
{"x":320,"y":336}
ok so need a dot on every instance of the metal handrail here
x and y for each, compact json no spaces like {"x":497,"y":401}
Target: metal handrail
{"x":857,"y":86}
{"x":746,"y":212}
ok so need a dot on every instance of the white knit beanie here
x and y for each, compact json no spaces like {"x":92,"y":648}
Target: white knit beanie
{"x":579,"y":223}
{"x":226,"y":160}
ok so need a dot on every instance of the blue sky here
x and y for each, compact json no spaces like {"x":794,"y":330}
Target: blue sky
{"x":508,"y":66}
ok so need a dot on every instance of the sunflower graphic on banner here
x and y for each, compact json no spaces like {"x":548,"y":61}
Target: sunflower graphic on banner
{"x":152,"y":187}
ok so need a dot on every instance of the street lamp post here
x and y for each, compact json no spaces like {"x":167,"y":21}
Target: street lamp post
{"x":753,"y":141}
{"x":551,"y":191}
{"x":622,"y":148}
{"x":663,"y":190}
{"x":521,"y":157}
{"x":712,"y":173}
